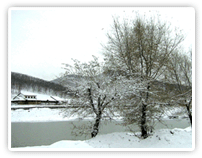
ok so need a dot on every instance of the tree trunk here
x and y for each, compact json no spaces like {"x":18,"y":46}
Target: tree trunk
{"x":96,"y":125}
{"x":143,"y":125}
{"x":190,"y":117}
{"x":143,"y":121}
{"x":188,"y":110}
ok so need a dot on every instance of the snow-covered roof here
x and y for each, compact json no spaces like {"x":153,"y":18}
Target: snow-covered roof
{"x":35,"y":96}
{"x":19,"y":97}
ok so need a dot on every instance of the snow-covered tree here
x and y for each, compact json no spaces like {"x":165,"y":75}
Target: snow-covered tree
{"x":94,"y":92}
{"x":140,"y":49}
{"x":179,"y":70}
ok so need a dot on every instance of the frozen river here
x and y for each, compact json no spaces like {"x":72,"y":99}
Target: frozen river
{"x":45,"y":133}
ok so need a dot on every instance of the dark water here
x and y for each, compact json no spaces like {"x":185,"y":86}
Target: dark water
{"x":45,"y":133}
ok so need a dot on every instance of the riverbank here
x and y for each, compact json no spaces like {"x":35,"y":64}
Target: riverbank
{"x":161,"y":140}
{"x":48,"y":132}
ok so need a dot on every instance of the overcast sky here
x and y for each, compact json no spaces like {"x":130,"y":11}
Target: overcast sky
{"x":40,"y":39}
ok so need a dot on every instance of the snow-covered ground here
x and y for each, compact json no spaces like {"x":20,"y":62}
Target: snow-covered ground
{"x":164,"y":138}
{"x":38,"y":114}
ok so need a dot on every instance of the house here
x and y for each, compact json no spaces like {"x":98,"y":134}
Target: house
{"x":32,"y":98}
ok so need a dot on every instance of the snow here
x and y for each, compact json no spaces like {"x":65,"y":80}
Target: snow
{"x":180,"y":112}
{"x":66,"y":144}
{"x":38,"y":114}
{"x":160,"y":139}
{"x":163,"y":138}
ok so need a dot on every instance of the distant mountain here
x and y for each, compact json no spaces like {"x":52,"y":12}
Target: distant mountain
{"x":67,"y":81}
{"x":70,"y":80}
{"x":25,"y":82}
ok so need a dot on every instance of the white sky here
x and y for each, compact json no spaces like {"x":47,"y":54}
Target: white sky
{"x":40,"y":39}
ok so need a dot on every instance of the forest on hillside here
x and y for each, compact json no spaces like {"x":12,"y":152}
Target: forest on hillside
{"x":25,"y":82}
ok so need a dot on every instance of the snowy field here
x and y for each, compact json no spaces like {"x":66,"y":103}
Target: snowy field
{"x":38,"y":114}
{"x":165,"y":139}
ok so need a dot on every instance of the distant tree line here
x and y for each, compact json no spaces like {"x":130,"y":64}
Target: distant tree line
{"x":24,"y":82}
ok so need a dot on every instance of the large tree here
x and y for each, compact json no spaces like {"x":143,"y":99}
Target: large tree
{"x":141,"y":48}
